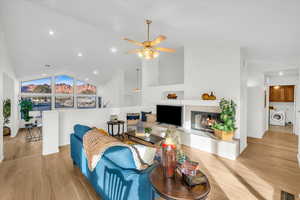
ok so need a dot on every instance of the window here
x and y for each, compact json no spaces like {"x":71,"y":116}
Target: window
{"x":85,"y":88}
{"x":40,"y":103}
{"x":86,"y":102}
{"x":64,"y":102}
{"x":64,"y":84}
{"x":39,"y":92}
{"x":36,"y":86}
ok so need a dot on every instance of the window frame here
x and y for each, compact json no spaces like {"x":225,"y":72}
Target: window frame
{"x":53,"y":93}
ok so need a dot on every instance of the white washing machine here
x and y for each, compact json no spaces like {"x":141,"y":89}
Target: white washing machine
{"x":277,"y":117}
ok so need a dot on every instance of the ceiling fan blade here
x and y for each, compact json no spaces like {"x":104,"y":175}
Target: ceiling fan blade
{"x":133,"y":51}
{"x":134,"y":42}
{"x":158,"y":40}
{"x":165,"y":49}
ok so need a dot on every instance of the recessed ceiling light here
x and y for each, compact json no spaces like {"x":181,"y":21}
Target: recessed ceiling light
{"x":79,"y":54}
{"x":95,"y":72}
{"x":113,"y":49}
{"x":87,"y":79}
{"x":51,"y":32}
{"x":280,"y":73}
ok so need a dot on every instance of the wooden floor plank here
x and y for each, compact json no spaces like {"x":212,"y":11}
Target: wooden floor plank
{"x":266,"y":167}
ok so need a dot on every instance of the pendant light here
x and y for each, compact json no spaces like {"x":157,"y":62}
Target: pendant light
{"x":137,"y":89}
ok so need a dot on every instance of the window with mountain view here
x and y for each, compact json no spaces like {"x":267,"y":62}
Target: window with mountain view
{"x":64,"y":84}
{"x":36,"y":86}
{"x":85,"y":88}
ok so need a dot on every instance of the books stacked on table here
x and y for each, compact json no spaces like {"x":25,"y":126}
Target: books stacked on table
{"x":191,"y":175}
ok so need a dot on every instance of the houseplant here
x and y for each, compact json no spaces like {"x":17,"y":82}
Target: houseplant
{"x":147,"y":131}
{"x":26,"y":106}
{"x":225,"y":129}
{"x":6,"y":116}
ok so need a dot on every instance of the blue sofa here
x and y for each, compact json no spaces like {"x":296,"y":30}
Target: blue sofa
{"x":115,"y":176}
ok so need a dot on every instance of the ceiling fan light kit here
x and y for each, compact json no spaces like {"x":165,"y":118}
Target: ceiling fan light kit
{"x":149,"y":49}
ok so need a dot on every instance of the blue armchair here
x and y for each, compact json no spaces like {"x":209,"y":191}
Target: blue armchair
{"x":115,"y":176}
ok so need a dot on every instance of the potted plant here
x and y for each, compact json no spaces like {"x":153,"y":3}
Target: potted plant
{"x":147,"y":131}
{"x":26,"y":106}
{"x":6,"y":116}
{"x":225,"y":129}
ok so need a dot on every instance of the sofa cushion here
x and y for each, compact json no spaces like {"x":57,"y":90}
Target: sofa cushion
{"x":121,"y":156}
{"x":81,"y":130}
{"x":146,"y":153}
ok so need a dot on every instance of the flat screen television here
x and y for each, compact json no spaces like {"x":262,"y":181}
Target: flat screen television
{"x":169,"y":114}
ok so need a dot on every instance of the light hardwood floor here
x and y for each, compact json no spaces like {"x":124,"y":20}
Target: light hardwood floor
{"x":266,"y":167}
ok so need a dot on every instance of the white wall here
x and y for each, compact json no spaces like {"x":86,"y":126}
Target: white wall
{"x":212,"y":67}
{"x":255,"y":103}
{"x":112,"y":92}
{"x":283,"y":80}
{"x":8,"y":88}
{"x":132,"y":98}
{"x":215,"y":67}
{"x":171,"y":67}
{"x":243,"y":105}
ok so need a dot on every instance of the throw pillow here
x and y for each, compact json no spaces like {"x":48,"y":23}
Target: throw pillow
{"x":144,"y":117}
{"x":146,"y":153}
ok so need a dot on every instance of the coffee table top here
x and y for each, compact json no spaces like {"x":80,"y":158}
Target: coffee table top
{"x":153,"y":139}
{"x":174,"y":188}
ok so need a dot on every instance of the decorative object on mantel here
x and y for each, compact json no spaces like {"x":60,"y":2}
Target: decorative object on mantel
{"x":224,"y":130}
{"x":212,"y":96}
{"x":149,"y":49}
{"x":172,"y":96}
{"x":206,"y":96}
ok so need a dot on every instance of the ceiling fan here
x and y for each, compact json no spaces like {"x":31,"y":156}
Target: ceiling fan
{"x":149,"y":49}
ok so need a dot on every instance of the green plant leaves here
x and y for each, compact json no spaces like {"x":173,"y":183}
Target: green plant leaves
{"x":26,"y":106}
{"x":228,"y":111}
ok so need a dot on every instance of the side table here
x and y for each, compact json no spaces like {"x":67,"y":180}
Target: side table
{"x":175,"y":189}
{"x":119,"y":124}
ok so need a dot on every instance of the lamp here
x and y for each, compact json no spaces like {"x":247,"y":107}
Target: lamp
{"x":148,"y":53}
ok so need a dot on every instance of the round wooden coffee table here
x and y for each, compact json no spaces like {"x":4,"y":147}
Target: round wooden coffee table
{"x":175,"y":189}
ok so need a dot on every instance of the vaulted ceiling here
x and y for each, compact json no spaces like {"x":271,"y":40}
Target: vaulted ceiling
{"x":267,"y":31}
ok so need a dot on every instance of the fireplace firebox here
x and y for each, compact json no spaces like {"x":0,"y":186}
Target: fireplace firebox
{"x":203,"y":121}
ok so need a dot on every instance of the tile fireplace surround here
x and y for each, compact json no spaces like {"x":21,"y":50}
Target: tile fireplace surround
{"x":203,"y":139}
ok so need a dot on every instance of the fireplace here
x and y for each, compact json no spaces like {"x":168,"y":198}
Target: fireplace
{"x":203,"y":121}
